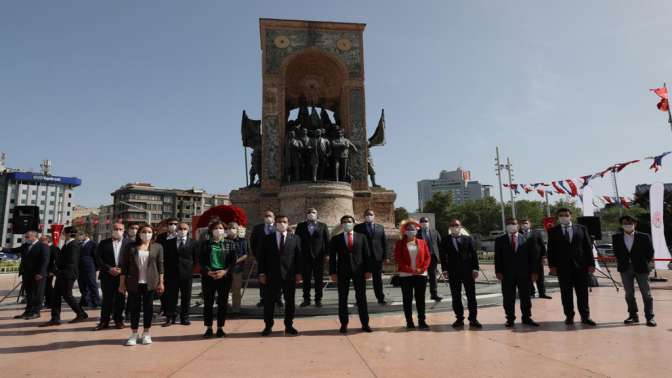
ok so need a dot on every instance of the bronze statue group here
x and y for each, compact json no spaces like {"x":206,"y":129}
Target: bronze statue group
{"x":136,"y":265}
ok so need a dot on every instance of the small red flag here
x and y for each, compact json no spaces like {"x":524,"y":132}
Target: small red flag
{"x":661,"y":92}
{"x":663,"y":105}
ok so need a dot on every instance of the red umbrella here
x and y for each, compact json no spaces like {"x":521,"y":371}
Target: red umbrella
{"x":225,"y":213}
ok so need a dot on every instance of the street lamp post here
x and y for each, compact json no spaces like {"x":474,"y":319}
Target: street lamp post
{"x":149,"y":213}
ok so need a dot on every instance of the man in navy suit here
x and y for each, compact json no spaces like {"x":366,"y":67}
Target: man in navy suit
{"x":258,"y":234}
{"x":377,"y":243}
{"x":109,"y":256}
{"x":634,"y":252}
{"x":88,"y":285}
{"x":314,"y":244}
{"x":280,"y":271}
{"x":179,"y":257}
{"x":34,"y":270}
{"x":516,"y":267}
{"x":570,"y":256}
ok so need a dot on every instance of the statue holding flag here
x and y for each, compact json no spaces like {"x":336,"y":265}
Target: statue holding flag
{"x":377,"y":139}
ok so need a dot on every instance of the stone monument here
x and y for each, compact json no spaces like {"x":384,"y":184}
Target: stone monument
{"x":316,"y":71}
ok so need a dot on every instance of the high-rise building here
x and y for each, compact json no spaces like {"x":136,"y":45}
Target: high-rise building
{"x":457,"y":182}
{"x":138,"y":202}
{"x":53,"y":195}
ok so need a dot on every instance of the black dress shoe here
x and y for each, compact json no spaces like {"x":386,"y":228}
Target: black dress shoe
{"x":508,"y":324}
{"x":410,"y":325}
{"x":260,"y":304}
{"x":20,"y":316}
{"x":530,"y":322}
{"x":119,"y":325}
{"x":208,"y":333}
{"x":220,"y":332}
{"x":185,"y":322}
{"x":569,"y":320}
{"x":475,"y":324}
{"x":279,"y":304}
{"x":78,"y":319}
{"x":101,"y":326}
{"x":318,"y":304}
{"x":382,"y":302}
{"x":436,"y":298}
{"x":651,"y":323}
{"x":458,"y":323}
{"x":50,"y":323}
{"x":305,"y":303}
{"x":31,"y":316}
{"x":266,"y":331}
{"x":367,"y":329}
{"x":631,"y":320}
{"x":423,"y":325}
{"x":545,"y":296}
{"x":588,"y":321}
{"x":343,"y":329}
{"x":291,"y":330}
{"x":167,"y":323}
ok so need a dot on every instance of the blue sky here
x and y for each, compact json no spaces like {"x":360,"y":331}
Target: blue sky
{"x":123,"y":91}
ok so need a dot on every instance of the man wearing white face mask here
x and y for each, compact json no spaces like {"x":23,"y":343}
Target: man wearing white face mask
{"x":259,"y":232}
{"x":377,"y":240}
{"x":433,"y":239}
{"x":535,"y":242}
{"x":110,"y":252}
{"x":179,"y":257}
{"x":570,"y":256}
{"x":314,"y":244}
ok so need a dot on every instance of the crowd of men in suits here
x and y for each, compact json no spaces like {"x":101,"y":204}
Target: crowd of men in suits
{"x":288,"y":259}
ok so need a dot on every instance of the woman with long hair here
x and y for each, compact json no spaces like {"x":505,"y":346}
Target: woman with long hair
{"x":142,"y":277}
{"x":413,"y":258}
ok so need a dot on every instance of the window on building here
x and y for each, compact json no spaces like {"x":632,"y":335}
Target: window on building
{"x":67,"y":213}
{"x":24,"y":191}
{"x":18,"y":240}
{"x":43,"y":202}
{"x":32,"y":202}
{"x":44,"y":192}
{"x":8,"y":240}
{"x":49,"y":221}
{"x":23,"y":201}
{"x":12,"y":201}
{"x":69,"y":195}
{"x":52,"y":203}
{"x":51,"y":212}
{"x":34,"y":192}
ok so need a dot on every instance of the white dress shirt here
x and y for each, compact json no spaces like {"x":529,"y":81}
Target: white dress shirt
{"x":143,"y":262}
{"x":570,"y":231}
{"x":116,"y":247}
{"x":277,"y":237}
{"x":629,"y":240}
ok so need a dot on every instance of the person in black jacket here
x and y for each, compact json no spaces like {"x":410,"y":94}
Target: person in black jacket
{"x":570,"y":256}
{"x":535,"y":241}
{"x":259,"y":232}
{"x":179,"y":257}
{"x":350,"y":260}
{"x":51,"y":269}
{"x":314,"y":244}
{"x":110,"y":252}
{"x":33,"y":269}
{"x":459,"y":263}
{"x":66,"y":271}
{"x":516,"y":265}
{"x":217,"y":257}
{"x":377,"y":240}
{"x":433,"y":239}
{"x":280,"y":270}
{"x":634,"y":252}
{"x":88,"y":285}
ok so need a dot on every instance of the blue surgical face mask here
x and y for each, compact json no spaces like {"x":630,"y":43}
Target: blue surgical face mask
{"x":347,"y":227}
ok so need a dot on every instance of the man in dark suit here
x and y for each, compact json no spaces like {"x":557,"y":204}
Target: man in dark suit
{"x":377,"y":243}
{"x":570,"y":256}
{"x":66,"y":271}
{"x":51,"y":269}
{"x":459,"y":263}
{"x":279,"y":270}
{"x":259,"y":233}
{"x":109,"y":256}
{"x":634,"y":252}
{"x":88,"y":285}
{"x":433,"y":239}
{"x":33,"y":268}
{"x":314,"y":246}
{"x":516,"y":266}
{"x":179,"y":257}
{"x":535,"y":242}
{"x":350,"y":260}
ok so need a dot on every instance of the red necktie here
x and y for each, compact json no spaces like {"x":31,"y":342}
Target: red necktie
{"x":513,"y":242}
{"x":350,"y":241}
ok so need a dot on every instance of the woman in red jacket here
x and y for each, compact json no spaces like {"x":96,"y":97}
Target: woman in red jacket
{"x":413,"y":258}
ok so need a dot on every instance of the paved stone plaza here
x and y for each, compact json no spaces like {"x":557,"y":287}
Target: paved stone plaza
{"x":610,"y":349}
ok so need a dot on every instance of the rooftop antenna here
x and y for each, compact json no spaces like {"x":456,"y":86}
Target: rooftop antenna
{"x":46,"y":167}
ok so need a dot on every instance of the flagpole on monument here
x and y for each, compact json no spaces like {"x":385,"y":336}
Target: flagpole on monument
{"x":669,"y":112}
{"x":498,"y":165}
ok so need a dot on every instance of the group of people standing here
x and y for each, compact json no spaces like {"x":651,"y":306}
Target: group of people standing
{"x":143,"y":265}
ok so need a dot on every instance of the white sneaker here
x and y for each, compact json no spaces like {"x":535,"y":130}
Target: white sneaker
{"x":132,"y":341}
{"x":146,"y":339}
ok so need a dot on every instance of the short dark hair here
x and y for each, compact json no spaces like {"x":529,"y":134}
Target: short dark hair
{"x":627,"y":217}
{"x":424,"y":219}
{"x":345,"y":217}
{"x":169,"y":220}
{"x":281,"y":216}
{"x":562,"y":210}
{"x":369,"y":209}
{"x":214,"y":224}
{"x":132,"y":224}
{"x":523,"y":219}
{"x":510,"y":219}
{"x":70,"y":230}
{"x":310,"y":210}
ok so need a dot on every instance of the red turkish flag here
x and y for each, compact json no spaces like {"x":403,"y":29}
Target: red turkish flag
{"x":663,"y":105}
{"x":661,"y":92}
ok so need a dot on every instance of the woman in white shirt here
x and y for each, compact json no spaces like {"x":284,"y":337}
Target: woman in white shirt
{"x":142,"y":277}
{"x":413,"y":258}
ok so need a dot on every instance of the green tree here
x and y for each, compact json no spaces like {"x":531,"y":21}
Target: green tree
{"x":534,"y":211}
{"x":478,"y":216}
{"x":610,"y":214}
{"x":440,"y":205}
{"x":400,"y":214}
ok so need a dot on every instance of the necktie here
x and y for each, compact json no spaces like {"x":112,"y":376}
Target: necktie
{"x":566,"y":233}
{"x":282,"y":244}
{"x":268,"y":230}
{"x":513,"y":242}
{"x":179,"y":246}
{"x":350,"y":241}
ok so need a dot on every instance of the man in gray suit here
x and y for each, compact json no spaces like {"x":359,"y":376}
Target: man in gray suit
{"x":433,"y":239}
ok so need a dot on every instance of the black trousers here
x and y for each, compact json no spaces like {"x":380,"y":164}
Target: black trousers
{"x":574,"y":281}
{"x":273,"y":289}
{"x":313,"y":268}
{"x":175,"y":286}
{"x":34,"y":293}
{"x":521,"y":283}
{"x":113,"y":301}
{"x":413,"y":286}
{"x":143,"y":298}
{"x":210,"y":287}
{"x":377,"y":275}
{"x":359,"y":285}
{"x":541,"y":285}
{"x":431,"y":273}
{"x":63,"y":289}
{"x":456,"y":283}
{"x":49,"y":291}
{"x":88,"y":285}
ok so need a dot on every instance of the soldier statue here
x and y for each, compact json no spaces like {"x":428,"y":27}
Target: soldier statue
{"x":340,"y":150}
{"x":293,"y":158}
{"x":305,"y":154}
{"x":319,"y":150}
{"x":372,"y":172}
